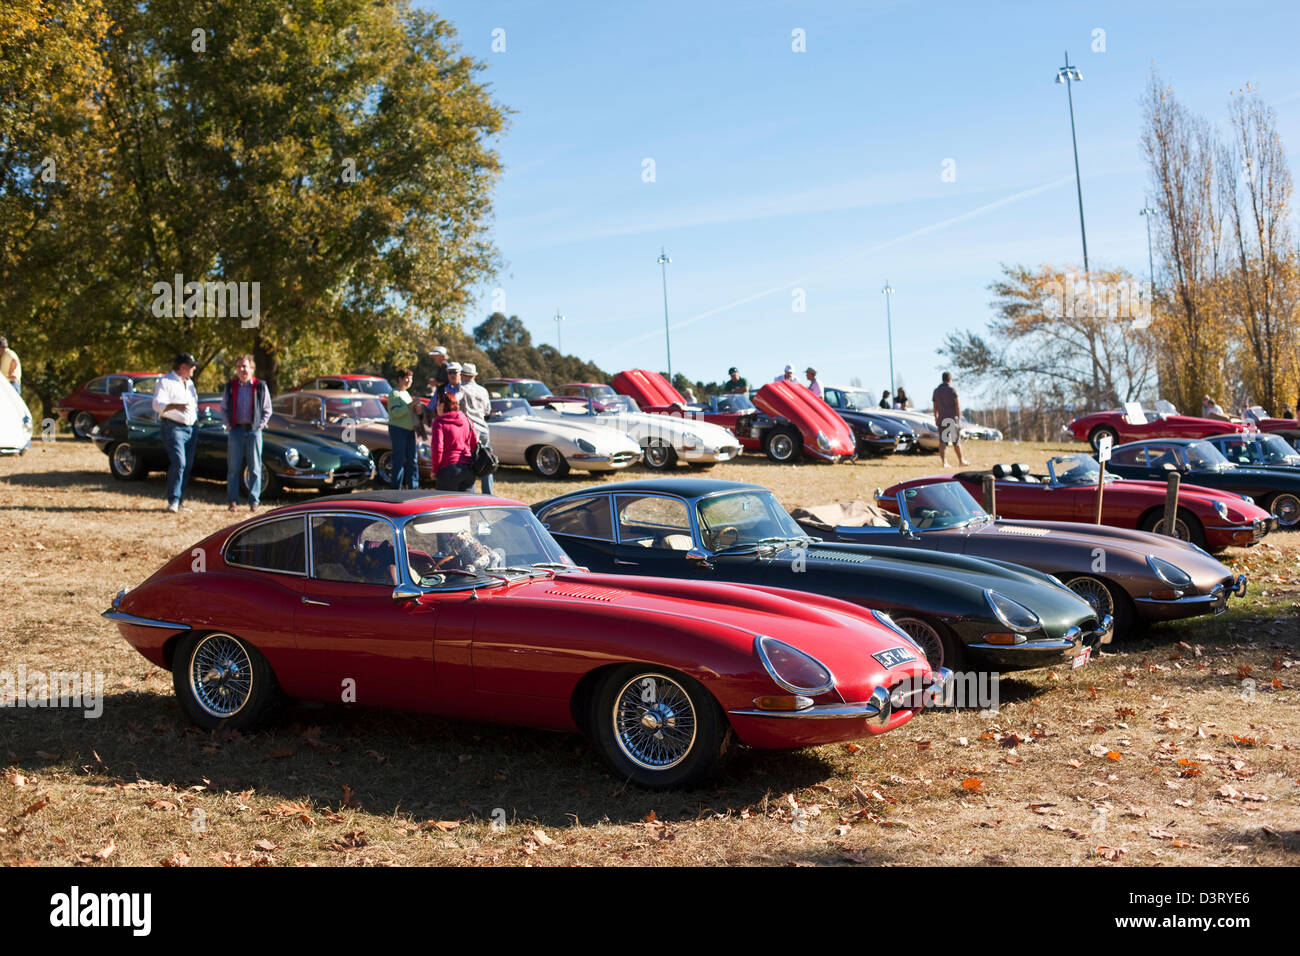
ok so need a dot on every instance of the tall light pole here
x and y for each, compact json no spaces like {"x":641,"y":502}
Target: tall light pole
{"x":888,"y":291}
{"x":559,"y":338}
{"x":1148,"y":212}
{"x":1066,"y":75}
{"x":663,"y":261}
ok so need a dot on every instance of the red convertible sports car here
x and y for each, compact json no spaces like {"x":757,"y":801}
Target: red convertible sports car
{"x":464,"y":606}
{"x":1210,"y":519}
{"x":1163,"y":421}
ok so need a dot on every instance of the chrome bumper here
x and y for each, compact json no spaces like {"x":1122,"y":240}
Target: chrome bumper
{"x":877,"y":708}
{"x":1075,"y":638}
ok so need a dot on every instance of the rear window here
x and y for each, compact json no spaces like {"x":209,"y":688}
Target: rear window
{"x":275,"y":546}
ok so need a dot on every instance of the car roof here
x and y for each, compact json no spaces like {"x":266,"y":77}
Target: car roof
{"x":127,"y":374}
{"x":680,"y":487}
{"x":516,"y":380}
{"x":401,"y":503}
{"x":348,"y":375}
{"x":1161,"y":441}
{"x":328,"y":393}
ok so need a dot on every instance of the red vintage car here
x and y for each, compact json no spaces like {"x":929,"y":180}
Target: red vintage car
{"x":1210,"y":519}
{"x":1288,"y":428}
{"x":656,"y":396}
{"x":464,"y":606}
{"x":1162,"y":421}
{"x":100,"y":399}
{"x":805,"y":425}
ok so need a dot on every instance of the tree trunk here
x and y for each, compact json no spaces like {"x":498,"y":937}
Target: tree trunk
{"x":267,"y":360}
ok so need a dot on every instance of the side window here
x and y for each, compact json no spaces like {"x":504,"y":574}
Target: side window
{"x":283,"y":405}
{"x":145,"y":386}
{"x":274,"y":546}
{"x":582,"y":518}
{"x":354,"y":549}
{"x":309,"y":408}
{"x":117,"y":385}
{"x":99,"y":386}
{"x":832,"y":396}
{"x":1130,"y":456}
{"x":651,"y":521}
{"x":1163,"y":458}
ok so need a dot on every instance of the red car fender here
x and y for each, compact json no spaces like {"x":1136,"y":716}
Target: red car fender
{"x":810,"y":415}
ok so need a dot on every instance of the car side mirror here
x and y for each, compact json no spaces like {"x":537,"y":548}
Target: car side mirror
{"x":406,"y":592}
{"x":699,"y":559}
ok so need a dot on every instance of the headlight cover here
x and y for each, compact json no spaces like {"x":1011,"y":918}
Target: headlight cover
{"x":877,"y":430}
{"x":890,"y":623}
{"x":584,"y":445}
{"x":691,"y":440}
{"x":1169,"y":573}
{"x":1012,"y":613}
{"x":791,"y":668}
{"x":1221,"y":510}
{"x":291,"y":456}
{"x":363,"y":451}
{"x":823,"y":442}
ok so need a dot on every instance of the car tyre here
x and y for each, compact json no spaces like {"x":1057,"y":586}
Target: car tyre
{"x":1107,"y":598}
{"x":271,"y":487}
{"x":83,"y":424}
{"x":659,"y":455}
{"x":783,"y":444}
{"x":546,"y":461}
{"x":941,"y":646}
{"x":693,"y":734}
{"x":1097,"y":434}
{"x":384,"y":468}
{"x":124,"y":464}
{"x":1187,"y":527}
{"x":1287,"y":508}
{"x":221,"y":681}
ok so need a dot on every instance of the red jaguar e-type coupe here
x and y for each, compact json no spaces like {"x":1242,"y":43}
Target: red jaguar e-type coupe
{"x":464,"y":606}
{"x":1162,"y":421}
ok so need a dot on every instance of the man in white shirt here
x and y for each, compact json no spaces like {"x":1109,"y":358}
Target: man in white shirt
{"x":11,"y":370}
{"x":177,"y":403}
{"x":476,"y":403}
{"x":786,"y":376}
{"x":814,"y":386}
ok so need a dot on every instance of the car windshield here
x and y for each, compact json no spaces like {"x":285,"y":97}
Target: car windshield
{"x":374,"y":386}
{"x":531,"y":390}
{"x":1202,"y":456}
{"x":1273,"y":450}
{"x":733,"y":403}
{"x":857,"y":399}
{"x":1074,"y":470}
{"x":1165,"y":408}
{"x":447,"y":548}
{"x":620,"y":403}
{"x":354,"y":409}
{"x":744,"y":519}
{"x":945,"y":504}
{"x":510,"y":408}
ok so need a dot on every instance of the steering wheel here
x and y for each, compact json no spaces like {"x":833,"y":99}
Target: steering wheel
{"x":725,"y":537}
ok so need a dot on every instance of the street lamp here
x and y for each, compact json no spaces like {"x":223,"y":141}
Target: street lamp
{"x":888,"y":291}
{"x":1068,"y":74}
{"x":559,"y":339}
{"x":1151,"y":268}
{"x":663,"y":261}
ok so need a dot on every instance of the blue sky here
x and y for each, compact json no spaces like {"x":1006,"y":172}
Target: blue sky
{"x":822,"y":170}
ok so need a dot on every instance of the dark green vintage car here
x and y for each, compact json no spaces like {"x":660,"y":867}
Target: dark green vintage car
{"x":131,"y":440}
{"x":959,"y":610}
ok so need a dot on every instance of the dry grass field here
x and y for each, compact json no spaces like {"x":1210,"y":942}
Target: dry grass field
{"x":1152,"y":754}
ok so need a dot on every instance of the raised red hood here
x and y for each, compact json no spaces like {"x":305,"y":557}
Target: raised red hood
{"x":810,"y":415}
{"x":650,"y":389}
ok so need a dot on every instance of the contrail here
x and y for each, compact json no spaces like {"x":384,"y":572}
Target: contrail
{"x":933,"y":227}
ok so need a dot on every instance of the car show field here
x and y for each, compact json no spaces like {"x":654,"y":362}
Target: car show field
{"x":1180,"y":745}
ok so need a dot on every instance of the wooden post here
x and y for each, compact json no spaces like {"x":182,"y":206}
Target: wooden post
{"x":1171,"y":504}
{"x":990,"y":495}
{"x":1101,"y":487}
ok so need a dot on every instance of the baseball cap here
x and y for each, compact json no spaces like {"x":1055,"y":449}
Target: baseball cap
{"x":469,"y":368}
{"x":183,"y":358}
{"x":732,"y":369}
{"x":439,"y":350}
{"x":789,"y":368}
{"x":811,"y":369}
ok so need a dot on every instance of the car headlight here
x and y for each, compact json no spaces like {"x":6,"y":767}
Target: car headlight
{"x":291,"y":456}
{"x":1248,"y":499}
{"x":1012,"y":613}
{"x":1169,"y":573}
{"x":1221,"y":510}
{"x":823,"y":442}
{"x":890,"y":623}
{"x":876,"y":430}
{"x":584,"y":445}
{"x":363,"y":451}
{"x":791,"y":668}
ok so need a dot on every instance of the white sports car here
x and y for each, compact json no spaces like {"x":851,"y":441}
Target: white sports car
{"x":663,"y":439}
{"x":551,"y":444}
{"x":928,"y":433}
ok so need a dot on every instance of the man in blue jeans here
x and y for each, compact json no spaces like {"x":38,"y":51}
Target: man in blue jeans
{"x":245,"y":410}
{"x":176,"y":402}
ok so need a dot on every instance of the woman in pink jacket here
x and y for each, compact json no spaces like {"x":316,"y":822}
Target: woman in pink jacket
{"x":452,"y":444}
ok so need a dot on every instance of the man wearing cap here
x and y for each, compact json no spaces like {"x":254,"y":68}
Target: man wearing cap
{"x":735,"y":385}
{"x":245,"y":410}
{"x":786,"y":376}
{"x":176,"y":402}
{"x":11,"y":370}
{"x":476,"y":403}
{"x":439,"y":378}
{"x":814,"y":386}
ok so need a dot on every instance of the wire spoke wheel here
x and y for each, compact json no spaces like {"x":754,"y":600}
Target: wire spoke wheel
{"x":548,"y":461}
{"x":1287,"y":509}
{"x":654,"y":721}
{"x":1180,"y":529}
{"x":1095,"y":593}
{"x":384,"y":468}
{"x":221,"y":675}
{"x":124,"y":459}
{"x":781,"y":446}
{"x":658,"y":455}
{"x":83,"y":424}
{"x":926,"y":636}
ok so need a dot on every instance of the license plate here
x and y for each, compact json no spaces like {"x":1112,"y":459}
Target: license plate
{"x":1081,"y":658}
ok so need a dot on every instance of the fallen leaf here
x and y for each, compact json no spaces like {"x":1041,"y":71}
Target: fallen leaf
{"x":542,"y":838}
{"x":972,"y":784}
{"x":266,"y":845}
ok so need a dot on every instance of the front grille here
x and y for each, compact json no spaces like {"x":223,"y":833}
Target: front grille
{"x":620,"y":457}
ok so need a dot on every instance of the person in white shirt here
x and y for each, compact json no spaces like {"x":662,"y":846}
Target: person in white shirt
{"x":177,"y":403}
{"x":814,"y":386}
{"x":786,"y":376}
{"x":476,"y":403}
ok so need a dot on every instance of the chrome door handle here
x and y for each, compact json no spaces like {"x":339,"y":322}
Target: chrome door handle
{"x":307,"y":600}
{"x":631,"y":564}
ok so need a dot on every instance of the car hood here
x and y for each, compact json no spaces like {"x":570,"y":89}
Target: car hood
{"x":808,"y":413}
{"x":647,"y":387}
{"x":553,"y":428}
{"x":665,"y":425}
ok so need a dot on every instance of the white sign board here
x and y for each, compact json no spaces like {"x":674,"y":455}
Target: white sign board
{"x":1103,"y":448}
{"x":1133,"y":413}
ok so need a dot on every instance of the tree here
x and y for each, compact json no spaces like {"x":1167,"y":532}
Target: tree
{"x":1058,"y":338}
{"x":510,"y":346}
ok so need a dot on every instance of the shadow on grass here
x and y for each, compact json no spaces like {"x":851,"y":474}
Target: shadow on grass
{"x":389,"y":763}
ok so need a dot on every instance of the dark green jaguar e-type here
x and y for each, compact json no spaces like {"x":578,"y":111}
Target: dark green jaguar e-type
{"x":132,"y":442}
